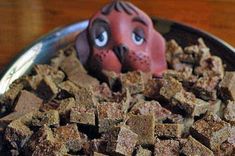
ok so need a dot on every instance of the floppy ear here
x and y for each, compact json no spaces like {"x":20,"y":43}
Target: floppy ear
{"x":82,"y":46}
{"x":158,"y":49}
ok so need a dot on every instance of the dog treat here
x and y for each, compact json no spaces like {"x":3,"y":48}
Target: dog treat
{"x":47,"y":89}
{"x":166,"y":147}
{"x":225,"y":149}
{"x":109,"y":114}
{"x":82,"y":115}
{"x":229,"y":112}
{"x":121,"y":141}
{"x":44,"y":143}
{"x":151,"y":107}
{"x":170,"y":87}
{"x":27,"y":102}
{"x":45,"y":70}
{"x":49,"y":118}
{"x":227,"y":86}
{"x":17,"y":133}
{"x":205,"y":87}
{"x":189,"y":103}
{"x":194,"y":147}
{"x":65,"y":106}
{"x":143,"y":126}
{"x":211,"y":131}
{"x":134,"y":81}
{"x":70,"y":136}
{"x":169,"y":130}
{"x":143,"y":152}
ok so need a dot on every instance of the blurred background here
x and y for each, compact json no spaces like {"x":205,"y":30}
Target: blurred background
{"x":23,"y":21}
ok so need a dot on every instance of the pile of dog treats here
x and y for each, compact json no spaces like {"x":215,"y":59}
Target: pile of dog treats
{"x":59,"y":109}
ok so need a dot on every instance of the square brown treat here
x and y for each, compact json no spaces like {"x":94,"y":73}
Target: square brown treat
{"x":71,"y":64}
{"x":45,"y":70}
{"x":169,"y":130}
{"x":229,"y":112}
{"x":110,"y":78}
{"x":170,"y":87}
{"x":124,"y":99}
{"x":227,"y":86}
{"x":17,"y":133}
{"x":121,"y":141}
{"x":225,"y":149}
{"x":70,"y":136}
{"x":49,"y":118}
{"x":152,"y":88}
{"x":205,"y":87}
{"x":214,"y":106}
{"x":47,"y":89}
{"x":102,"y":93}
{"x":82,"y":115}
{"x":134,"y":81}
{"x":143,"y":152}
{"x":65,"y":106}
{"x":83,"y":96}
{"x":143,"y":126}
{"x":4,"y":121}
{"x":210,"y":66}
{"x":166,"y":147}
{"x":151,"y":107}
{"x":193,"y":147}
{"x":27,"y":102}
{"x":109,"y":114}
{"x":44,"y":143}
{"x":173,"y":50}
{"x":189,"y":103}
{"x":211,"y":131}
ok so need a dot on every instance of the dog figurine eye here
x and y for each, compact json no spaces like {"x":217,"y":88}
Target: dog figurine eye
{"x":137,"y":39}
{"x":102,"y":39}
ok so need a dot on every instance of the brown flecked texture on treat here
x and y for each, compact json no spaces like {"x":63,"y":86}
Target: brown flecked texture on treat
{"x":189,"y":103}
{"x":45,"y":70}
{"x":166,"y":147}
{"x":134,"y":81}
{"x":82,"y":115}
{"x":70,"y":136}
{"x":229,"y":112}
{"x":121,"y":140}
{"x":143,"y":126}
{"x":205,"y":87}
{"x":194,"y":147}
{"x":143,"y":152}
{"x":170,"y":87}
{"x":43,"y":142}
{"x":151,"y":107}
{"x":47,"y":89}
{"x":227,"y":86}
{"x":65,"y":106}
{"x":211,"y":131}
{"x":49,"y":118}
{"x":109,"y":114}
{"x":169,"y":130}
{"x":27,"y":102}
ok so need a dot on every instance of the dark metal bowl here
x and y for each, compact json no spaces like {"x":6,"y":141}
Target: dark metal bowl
{"x":44,"y":48}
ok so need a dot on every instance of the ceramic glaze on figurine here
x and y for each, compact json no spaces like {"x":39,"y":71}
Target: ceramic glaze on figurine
{"x":121,"y":37}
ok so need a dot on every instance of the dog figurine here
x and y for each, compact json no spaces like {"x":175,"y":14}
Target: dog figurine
{"x":120,"y":37}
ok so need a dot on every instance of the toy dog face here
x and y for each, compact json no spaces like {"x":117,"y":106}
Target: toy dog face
{"x":121,"y":37}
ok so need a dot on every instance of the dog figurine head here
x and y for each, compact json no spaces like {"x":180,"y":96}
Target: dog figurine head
{"x":121,"y":37}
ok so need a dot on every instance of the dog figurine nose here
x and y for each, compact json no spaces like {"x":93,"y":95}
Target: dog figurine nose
{"x":120,"y":51}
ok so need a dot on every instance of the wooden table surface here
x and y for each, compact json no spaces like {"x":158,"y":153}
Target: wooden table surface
{"x":23,"y":21}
